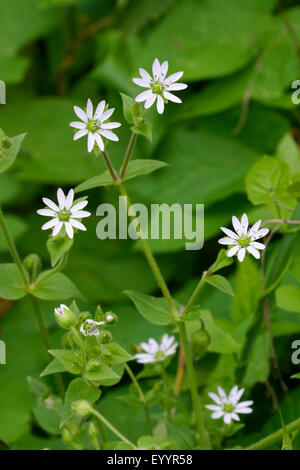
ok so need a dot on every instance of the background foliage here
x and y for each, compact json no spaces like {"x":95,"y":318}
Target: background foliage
{"x":239,"y":60}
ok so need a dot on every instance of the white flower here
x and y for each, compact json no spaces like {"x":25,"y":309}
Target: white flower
{"x":155,"y":352}
{"x":90,"y":327}
{"x":64,"y":214}
{"x":159,"y":86}
{"x":229,"y":407}
{"x":244,"y":239}
{"x":93,"y":124}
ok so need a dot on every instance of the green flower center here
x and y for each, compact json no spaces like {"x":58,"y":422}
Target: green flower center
{"x":157,"y":87}
{"x":159,"y":354}
{"x":64,"y":215}
{"x":244,"y":241}
{"x":93,"y":125}
{"x":228,"y":408}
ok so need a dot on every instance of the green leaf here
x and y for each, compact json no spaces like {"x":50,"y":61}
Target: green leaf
{"x":268,"y":178}
{"x":221,"y":283}
{"x":101,"y":372}
{"x":78,"y":389}
{"x":155,"y":443}
{"x":8,"y":156}
{"x":118,"y":354}
{"x":68,"y":359}
{"x":155,"y":310}
{"x":54,"y":367}
{"x":48,"y":412}
{"x":55,"y":287}
{"x":144,"y":129}
{"x":143,"y":167}
{"x":130,"y":107}
{"x":288,"y":298}
{"x":135,"y":168}
{"x":57,"y":247}
{"x":296,"y":376}
{"x":222,"y":261}
{"x":11,"y":282}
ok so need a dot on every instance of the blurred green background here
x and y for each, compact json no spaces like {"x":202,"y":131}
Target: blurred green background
{"x":239,"y":61}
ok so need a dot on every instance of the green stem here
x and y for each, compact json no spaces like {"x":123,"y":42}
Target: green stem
{"x":81,"y":345}
{"x":142,"y":397}
{"x":59,"y":266}
{"x":128,"y":155}
{"x":45,"y":337}
{"x":275,"y":436}
{"x":102,"y":432}
{"x":13,"y":250}
{"x":196,"y":292}
{"x":193,"y":385}
{"x":152,"y":262}
{"x":112,"y":428}
{"x":109,"y":166}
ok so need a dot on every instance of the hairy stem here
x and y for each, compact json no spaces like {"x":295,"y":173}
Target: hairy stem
{"x":128,"y":155}
{"x":59,"y":266}
{"x":142,"y":398}
{"x":81,"y":345}
{"x":109,"y":166}
{"x":275,"y":436}
{"x":193,"y":385}
{"x":112,"y":428}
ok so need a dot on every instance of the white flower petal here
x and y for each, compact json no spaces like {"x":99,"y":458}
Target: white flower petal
{"x":227,"y":418}
{"x":260,"y":233}
{"x":171,"y":97}
{"x":143,"y":96}
{"x":213,"y":407}
{"x":91,"y":142}
{"x":229,"y":233}
{"x":89,"y":109}
{"x":232,"y":393}
{"x":173,"y":78}
{"x":244,"y":223}
{"x":109,"y":135}
{"x":254,"y":228}
{"x":99,"y":109}
{"x":50,"y":224}
{"x":254,"y":252}
{"x":80,"y":134}
{"x":69,"y":199}
{"x":227,"y":241}
{"x":258,"y":246}
{"x":237,"y":225}
{"x":244,"y":410}
{"x":160,"y":105}
{"x":241,"y":254}
{"x":106,"y":115}
{"x":110,"y":125}
{"x":77,"y":224}
{"x":69,"y":229}
{"x":215,"y":397}
{"x":99,"y":141}
{"x":141,"y":82}
{"x":61,"y":198}
{"x":50,"y":204}
{"x":80,"y":205}
{"x":80,"y":214}
{"x":78,"y":125}
{"x":80,"y":113}
{"x":57,"y":228}
{"x":244,"y":404}
{"x":176,"y":87}
{"x":239,"y":394}
{"x":149,"y":102}
{"x":47,"y":212}
{"x":233,"y":251}
{"x":217,"y":414}
{"x":235,"y":416}
{"x":156,"y":69}
{"x":222,"y":394}
{"x":145,"y":76}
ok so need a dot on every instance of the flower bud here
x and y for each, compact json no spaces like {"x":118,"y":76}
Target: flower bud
{"x":200,"y":343}
{"x":111,"y":318}
{"x":66,"y":435}
{"x":105,"y":337}
{"x":93,"y":434}
{"x":33,"y":264}
{"x":65,"y":317}
{"x":82,"y":408}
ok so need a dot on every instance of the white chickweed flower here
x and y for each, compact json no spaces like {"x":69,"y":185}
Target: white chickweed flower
{"x":229,"y":407}
{"x":155,"y":352}
{"x":91,"y":327}
{"x":244,"y":238}
{"x":159,"y":86}
{"x":64,"y":316}
{"x":93,"y":124}
{"x":64,"y":214}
